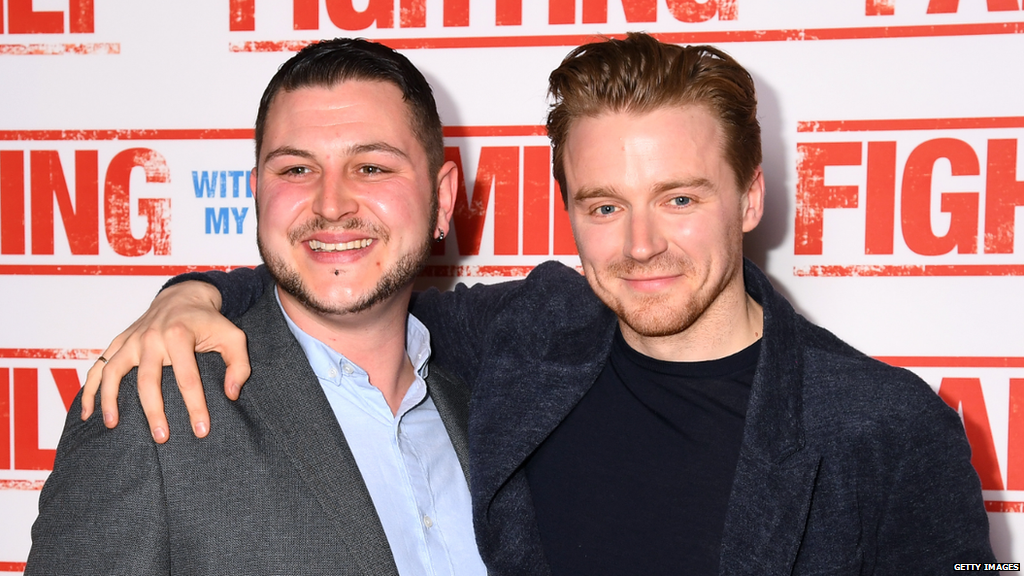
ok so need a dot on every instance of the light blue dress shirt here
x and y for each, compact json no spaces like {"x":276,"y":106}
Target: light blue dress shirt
{"x":406,"y":460}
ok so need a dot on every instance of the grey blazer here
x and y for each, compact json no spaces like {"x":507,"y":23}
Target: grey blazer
{"x":273,"y":489}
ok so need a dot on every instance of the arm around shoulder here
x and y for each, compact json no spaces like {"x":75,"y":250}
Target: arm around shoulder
{"x":239,"y":289}
{"x":459,"y":319}
{"x":464,"y":323}
{"x":182,"y":320}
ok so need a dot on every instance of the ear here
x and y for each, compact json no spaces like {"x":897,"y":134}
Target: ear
{"x":252,"y":182}
{"x":447,"y":190}
{"x":752,"y":202}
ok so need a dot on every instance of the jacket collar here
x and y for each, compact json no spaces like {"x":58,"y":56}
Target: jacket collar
{"x":773,"y":428}
{"x":775,"y":475}
{"x":543,"y":354}
{"x":284,"y":392}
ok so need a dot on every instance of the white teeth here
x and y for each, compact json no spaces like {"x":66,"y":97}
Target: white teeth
{"x":319,"y":246}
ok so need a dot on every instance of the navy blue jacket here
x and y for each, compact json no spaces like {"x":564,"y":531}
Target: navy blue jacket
{"x":847,"y":465}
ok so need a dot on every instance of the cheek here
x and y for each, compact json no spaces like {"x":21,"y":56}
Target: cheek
{"x":695,"y":231}
{"x":391,"y":208}
{"x":284,"y":207}
{"x":597,"y":245}
{"x":399,"y":206}
{"x":270,"y":219}
{"x":687,"y":234}
{"x":275,"y":221}
{"x":264,"y":215}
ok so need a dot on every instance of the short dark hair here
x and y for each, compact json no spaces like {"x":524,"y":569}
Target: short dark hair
{"x":641,"y":74}
{"x":329,"y":62}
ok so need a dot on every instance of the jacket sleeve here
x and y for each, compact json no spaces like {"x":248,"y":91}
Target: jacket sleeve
{"x":102,"y":510}
{"x":459,"y":321}
{"x":239,"y":289}
{"x":935,"y":513}
{"x":469,"y":325}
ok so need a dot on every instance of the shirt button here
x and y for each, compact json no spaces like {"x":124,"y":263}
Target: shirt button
{"x":347,"y":368}
{"x":332,"y":373}
{"x":427,"y":521}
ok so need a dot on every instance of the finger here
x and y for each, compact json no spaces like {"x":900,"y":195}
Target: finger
{"x":91,"y":387}
{"x":235,"y":352}
{"x":110,"y":384}
{"x":150,"y":377}
{"x":94,"y":377}
{"x":153,"y":406}
{"x":186,"y":372}
{"x":119,"y":361}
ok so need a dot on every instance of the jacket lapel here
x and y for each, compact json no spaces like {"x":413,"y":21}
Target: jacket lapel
{"x":451,"y":398}
{"x":535,"y":373}
{"x":776,"y":472}
{"x":286,"y":395}
{"x":767,"y":514}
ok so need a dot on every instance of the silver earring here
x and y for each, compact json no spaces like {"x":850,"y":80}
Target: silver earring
{"x":440,"y":235}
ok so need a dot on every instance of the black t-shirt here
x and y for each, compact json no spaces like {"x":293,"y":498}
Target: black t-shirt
{"x":636,"y":479}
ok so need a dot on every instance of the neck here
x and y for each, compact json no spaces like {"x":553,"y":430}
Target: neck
{"x":373,"y":339}
{"x":733,"y":322}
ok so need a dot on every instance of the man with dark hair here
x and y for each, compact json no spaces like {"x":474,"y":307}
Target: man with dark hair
{"x":670,"y":413}
{"x":347,"y":453}
{"x":333,"y":61}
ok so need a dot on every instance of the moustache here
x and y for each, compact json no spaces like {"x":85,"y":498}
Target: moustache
{"x":661,"y":264}
{"x":321,"y":224}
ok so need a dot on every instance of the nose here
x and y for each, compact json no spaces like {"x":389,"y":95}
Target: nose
{"x":336,"y":200}
{"x":644,"y":238}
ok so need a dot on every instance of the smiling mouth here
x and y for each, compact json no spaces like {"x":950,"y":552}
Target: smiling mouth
{"x":318,"y":246}
{"x":642,"y":279}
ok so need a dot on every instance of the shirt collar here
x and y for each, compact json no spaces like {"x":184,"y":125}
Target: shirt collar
{"x":325,"y":360}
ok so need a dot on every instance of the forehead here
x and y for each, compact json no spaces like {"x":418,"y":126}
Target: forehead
{"x":667,"y":142}
{"x":686,"y":124}
{"x":349,"y":103}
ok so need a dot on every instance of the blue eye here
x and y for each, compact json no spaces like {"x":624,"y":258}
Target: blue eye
{"x":605,"y":210}
{"x":680,"y":201}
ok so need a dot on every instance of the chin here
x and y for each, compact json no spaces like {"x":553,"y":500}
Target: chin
{"x":653,"y":325}
{"x":658,"y":315}
{"x":326,"y":294}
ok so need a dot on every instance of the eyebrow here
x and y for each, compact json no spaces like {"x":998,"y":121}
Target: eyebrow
{"x":287,"y":151}
{"x":586,"y":193}
{"x":690,"y":183}
{"x":356,"y":149}
{"x":602,"y":192}
{"x":378,"y":147}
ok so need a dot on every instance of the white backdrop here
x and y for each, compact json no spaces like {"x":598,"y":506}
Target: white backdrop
{"x":891,"y":131}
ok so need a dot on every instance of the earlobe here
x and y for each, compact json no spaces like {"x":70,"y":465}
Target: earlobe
{"x":753,"y":202}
